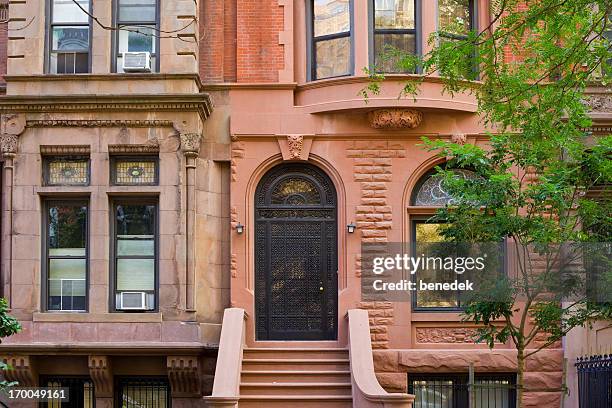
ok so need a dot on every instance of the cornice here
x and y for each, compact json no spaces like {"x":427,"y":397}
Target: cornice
{"x":273,"y":86}
{"x":199,"y":102}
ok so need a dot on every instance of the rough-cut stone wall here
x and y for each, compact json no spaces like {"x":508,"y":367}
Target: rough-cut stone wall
{"x":259,"y":54}
{"x":372,"y":169}
{"x":543,"y":376}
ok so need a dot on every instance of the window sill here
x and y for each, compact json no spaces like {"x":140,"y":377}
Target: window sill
{"x":80,"y":317}
{"x":134,"y":190}
{"x":64,"y":190}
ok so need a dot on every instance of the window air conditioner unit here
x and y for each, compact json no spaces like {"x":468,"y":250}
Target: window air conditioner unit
{"x":132,"y":301}
{"x":137,"y":62}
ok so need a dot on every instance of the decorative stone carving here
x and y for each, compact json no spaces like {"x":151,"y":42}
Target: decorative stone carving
{"x":22,"y":369}
{"x":446,"y":335}
{"x":296,"y":143}
{"x":395,"y":118}
{"x":190,"y":143}
{"x":91,"y":123}
{"x":64,"y":149}
{"x":133,"y":149}
{"x":459,"y":138}
{"x":184,"y":375}
{"x":12,"y":124}
{"x":102,"y":375}
{"x":599,"y":102}
{"x":8,"y":144}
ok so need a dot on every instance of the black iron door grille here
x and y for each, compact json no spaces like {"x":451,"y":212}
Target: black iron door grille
{"x":296,"y":265}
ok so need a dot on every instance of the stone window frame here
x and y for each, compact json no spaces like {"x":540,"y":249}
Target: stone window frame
{"x":372,"y":31}
{"x":156,"y":381}
{"x":49,"y":37}
{"x":115,"y":158}
{"x":132,"y":200}
{"x":47,"y":202}
{"x":311,"y":73}
{"x":115,"y":35}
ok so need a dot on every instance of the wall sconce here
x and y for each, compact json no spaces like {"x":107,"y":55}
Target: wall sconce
{"x":351,"y":228}
{"x":239,"y":228}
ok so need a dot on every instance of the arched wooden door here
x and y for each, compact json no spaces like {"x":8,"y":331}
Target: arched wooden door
{"x":296,"y":255}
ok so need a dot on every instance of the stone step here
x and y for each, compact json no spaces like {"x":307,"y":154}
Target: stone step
{"x":298,"y":401}
{"x":300,"y":353}
{"x":295,"y":376}
{"x":295,"y":364}
{"x":295,"y":388}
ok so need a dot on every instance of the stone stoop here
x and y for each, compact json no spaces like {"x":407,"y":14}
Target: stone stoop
{"x":305,"y":378}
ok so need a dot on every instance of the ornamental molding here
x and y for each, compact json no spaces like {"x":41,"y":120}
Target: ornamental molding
{"x":134,"y":149}
{"x":395,"y":118}
{"x":98,"y":123}
{"x":459,"y":138}
{"x":184,"y":375}
{"x":601,"y":103}
{"x":101,"y":373}
{"x":51,"y":150}
{"x":197,"y":102}
{"x":190,"y":143}
{"x":22,"y":369}
{"x":447,"y":335}
{"x":296,"y":143}
{"x":12,"y":124}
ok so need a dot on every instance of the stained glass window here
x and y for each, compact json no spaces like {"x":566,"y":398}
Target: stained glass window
{"x":433,"y":193}
{"x":66,"y":172}
{"x":295,"y":191}
{"x":139,"y":171}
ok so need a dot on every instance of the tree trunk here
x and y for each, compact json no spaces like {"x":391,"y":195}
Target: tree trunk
{"x":520,"y":361}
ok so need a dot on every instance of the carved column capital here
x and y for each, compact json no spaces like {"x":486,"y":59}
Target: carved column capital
{"x":102,"y":375}
{"x":11,"y":126}
{"x":395,"y":118}
{"x":190,"y":144}
{"x":184,"y":375}
{"x":22,"y":369}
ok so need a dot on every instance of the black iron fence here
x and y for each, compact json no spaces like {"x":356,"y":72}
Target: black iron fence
{"x":463,"y":391}
{"x":595,"y":381}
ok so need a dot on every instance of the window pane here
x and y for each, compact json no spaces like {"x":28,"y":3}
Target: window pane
{"x":454,"y":16}
{"x":67,"y":172}
{"x":492,"y":393}
{"x":135,"y":274}
{"x":70,"y":39}
{"x":137,"y":10}
{"x":135,"y":172}
{"x":331,"y":16}
{"x":433,"y":191}
{"x":433,"y":393}
{"x":69,"y":63}
{"x":67,"y":229}
{"x":67,"y":269}
{"x":394,"y":14}
{"x":386,"y":44}
{"x":140,"y":247}
{"x":135,"y":220}
{"x":333,"y":57}
{"x":428,"y":232}
{"x":141,"y":41}
{"x":66,"y":11}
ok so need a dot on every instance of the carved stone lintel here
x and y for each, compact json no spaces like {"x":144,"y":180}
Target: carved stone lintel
{"x":190,"y":143}
{"x":50,"y":150}
{"x":395,"y":118}
{"x":23,"y":370}
{"x":102,"y":375}
{"x":133,"y":149}
{"x":459,"y":138}
{"x":296,"y":143}
{"x":12,"y":123}
{"x":184,"y":375}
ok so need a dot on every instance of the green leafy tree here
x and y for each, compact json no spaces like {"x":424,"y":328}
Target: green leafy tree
{"x":537,"y":175}
{"x":8,"y":326}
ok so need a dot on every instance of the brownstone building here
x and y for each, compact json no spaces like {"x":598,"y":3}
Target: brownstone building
{"x":166,"y":161}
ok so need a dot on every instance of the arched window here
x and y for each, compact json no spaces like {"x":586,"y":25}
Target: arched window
{"x":431,"y":192}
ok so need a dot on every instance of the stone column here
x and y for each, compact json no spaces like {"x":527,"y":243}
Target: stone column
{"x":101,"y":373}
{"x":11,"y":126}
{"x":190,"y":146}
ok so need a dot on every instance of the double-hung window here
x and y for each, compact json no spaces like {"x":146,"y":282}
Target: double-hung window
{"x":66,"y":247}
{"x":456,"y":18}
{"x":135,"y":255}
{"x":69,"y":37}
{"x":138,"y":30}
{"x":394,"y":33}
{"x":331,"y":48}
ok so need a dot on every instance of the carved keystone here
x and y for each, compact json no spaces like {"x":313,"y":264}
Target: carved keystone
{"x":184,"y":375}
{"x":22,"y":369}
{"x":102,"y":375}
{"x":396,"y":118}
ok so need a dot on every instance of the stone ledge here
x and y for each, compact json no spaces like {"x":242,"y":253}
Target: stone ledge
{"x":98,"y":317}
